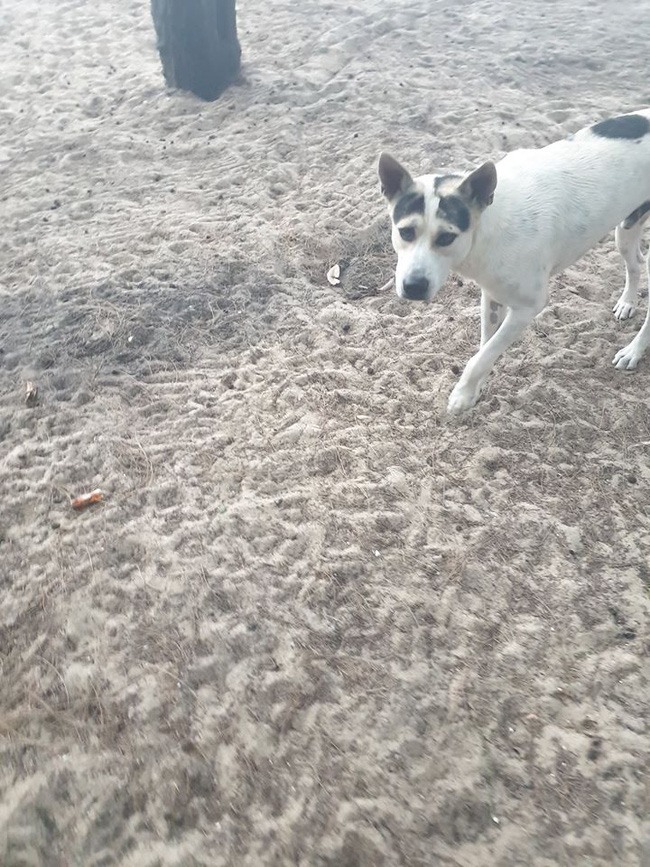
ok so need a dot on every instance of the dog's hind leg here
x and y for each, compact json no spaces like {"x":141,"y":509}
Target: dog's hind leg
{"x":628,"y":357}
{"x":492,"y":315}
{"x":628,"y":241}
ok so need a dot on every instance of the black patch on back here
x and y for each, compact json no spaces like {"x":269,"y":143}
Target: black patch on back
{"x":636,"y":215}
{"x":409,"y":203}
{"x":627,"y":126}
{"x":455,"y":211}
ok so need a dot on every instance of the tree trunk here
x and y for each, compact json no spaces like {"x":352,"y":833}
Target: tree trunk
{"x":197,"y":43}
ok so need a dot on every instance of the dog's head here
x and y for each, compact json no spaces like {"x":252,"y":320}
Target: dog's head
{"x":434,"y":218}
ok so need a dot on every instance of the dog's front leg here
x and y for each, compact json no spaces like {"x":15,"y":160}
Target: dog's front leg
{"x":492,"y":315}
{"x":470,"y":385}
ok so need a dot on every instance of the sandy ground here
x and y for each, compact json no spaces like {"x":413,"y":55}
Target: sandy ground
{"x":313,"y":622}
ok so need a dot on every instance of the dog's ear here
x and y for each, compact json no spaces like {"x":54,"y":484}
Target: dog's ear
{"x":394,"y":177}
{"x":479,"y":187}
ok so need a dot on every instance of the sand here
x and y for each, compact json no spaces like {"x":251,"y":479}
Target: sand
{"x":313,"y":621}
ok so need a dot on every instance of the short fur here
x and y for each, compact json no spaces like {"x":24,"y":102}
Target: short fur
{"x":513,"y":225}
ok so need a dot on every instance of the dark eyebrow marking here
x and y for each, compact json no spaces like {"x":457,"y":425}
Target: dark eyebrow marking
{"x":629,"y":126}
{"x":409,"y":203}
{"x":455,"y":211}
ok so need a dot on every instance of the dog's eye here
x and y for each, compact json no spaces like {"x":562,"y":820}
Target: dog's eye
{"x":407,"y":233}
{"x":444,"y":239}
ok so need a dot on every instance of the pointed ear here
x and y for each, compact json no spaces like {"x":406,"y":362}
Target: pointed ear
{"x":479,"y":187}
{"x":394,"y":177}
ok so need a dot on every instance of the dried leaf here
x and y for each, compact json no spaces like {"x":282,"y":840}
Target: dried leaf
{"x":87,"y":499}
{"x":31,"y":394}
{"x":333,"y":275}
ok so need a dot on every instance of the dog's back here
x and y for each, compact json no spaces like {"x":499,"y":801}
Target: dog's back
{"x":563,"y":198}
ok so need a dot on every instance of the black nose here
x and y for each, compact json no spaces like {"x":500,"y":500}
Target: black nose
{"x":416,"y":288}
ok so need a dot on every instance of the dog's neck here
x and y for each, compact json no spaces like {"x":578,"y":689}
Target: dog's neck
{"x":473,"y":265}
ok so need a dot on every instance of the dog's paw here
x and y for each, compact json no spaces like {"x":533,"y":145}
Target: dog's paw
{"x":628,"y":357}
{"x":461,"y":399}
{"x":623,"y":309}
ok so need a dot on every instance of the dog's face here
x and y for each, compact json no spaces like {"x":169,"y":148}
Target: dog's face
{"x":434,"y":218}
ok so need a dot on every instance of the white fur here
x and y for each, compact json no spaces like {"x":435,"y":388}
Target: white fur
{"x":550,"y":207}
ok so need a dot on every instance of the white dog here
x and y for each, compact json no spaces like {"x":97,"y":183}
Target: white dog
{"x":513,"y":225}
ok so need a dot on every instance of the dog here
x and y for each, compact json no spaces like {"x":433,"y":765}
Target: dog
{"x":513,"y":225}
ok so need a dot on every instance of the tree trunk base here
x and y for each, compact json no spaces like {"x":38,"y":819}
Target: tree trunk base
{"x":197,"y":43}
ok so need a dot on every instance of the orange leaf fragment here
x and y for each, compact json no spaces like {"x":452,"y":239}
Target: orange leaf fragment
{"x":87,"y":499}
